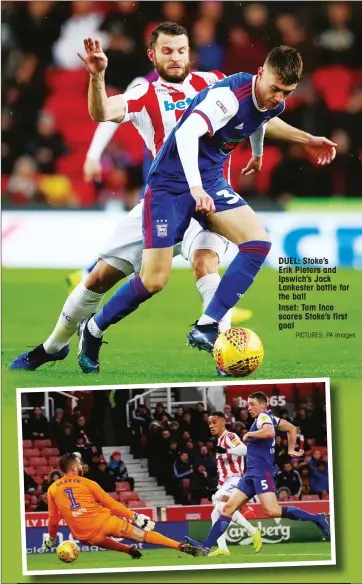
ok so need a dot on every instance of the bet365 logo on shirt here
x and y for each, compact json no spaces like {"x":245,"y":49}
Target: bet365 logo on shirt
{"x":181,"y":104}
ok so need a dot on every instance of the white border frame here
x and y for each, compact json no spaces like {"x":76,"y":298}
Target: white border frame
{"x":331,"y":562}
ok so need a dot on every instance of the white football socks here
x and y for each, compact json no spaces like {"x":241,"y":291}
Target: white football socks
{"x":81,"y":303}
{"x":94,"y":329}
{"x":221,"y":542}
{"x":237,"y":518}
{"x":207,"y":286}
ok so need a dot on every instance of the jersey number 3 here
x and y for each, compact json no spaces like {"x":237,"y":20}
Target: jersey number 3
{"x":232,"y":197}
{"x":74,"y":504}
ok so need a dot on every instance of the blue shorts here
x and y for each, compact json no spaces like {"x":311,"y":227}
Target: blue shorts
{"x":258,"y":484}
{"x":167,"y":216}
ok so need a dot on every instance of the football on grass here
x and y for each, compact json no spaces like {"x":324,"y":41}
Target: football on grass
{"x":238,"y":352}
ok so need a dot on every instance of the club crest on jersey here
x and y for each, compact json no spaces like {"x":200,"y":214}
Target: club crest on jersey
{"x":221,"y":106}
{"x":161,"y":228}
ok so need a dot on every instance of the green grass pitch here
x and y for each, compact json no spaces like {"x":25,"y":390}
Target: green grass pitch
{"x":282,"y":552}
{"x":150,"y":345}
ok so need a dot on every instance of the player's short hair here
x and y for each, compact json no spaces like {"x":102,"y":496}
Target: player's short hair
{"x":218,"y":414}
{"x":66,"y":461}
{"x":260,"y":396}
{"x":169,"y":28}
{"x":286,"y":62}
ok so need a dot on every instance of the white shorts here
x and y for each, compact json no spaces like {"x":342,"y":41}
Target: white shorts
{"x":124,"y":248}
{"x":226,"y":490}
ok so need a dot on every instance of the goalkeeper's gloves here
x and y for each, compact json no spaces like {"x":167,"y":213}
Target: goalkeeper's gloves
{"x":221,"y":450}
{"x":144,"y":522}
{"x":48,"y":543}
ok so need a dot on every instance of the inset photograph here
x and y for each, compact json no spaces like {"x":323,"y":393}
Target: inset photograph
{"x":126,"y":479}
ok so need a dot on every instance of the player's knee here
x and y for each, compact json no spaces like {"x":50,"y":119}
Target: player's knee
{"x":155,"y":282}
{"x":204,"y":262}
{"x":272,"y":511}
{"x":103,"y":277}
{"x":228,"y":509}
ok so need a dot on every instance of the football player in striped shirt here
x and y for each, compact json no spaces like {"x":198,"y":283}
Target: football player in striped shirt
{"x":230,"y":453}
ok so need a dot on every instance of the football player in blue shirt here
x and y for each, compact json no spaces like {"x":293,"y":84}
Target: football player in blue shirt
{"x":186,"y":180}
{"x":259,"y":477}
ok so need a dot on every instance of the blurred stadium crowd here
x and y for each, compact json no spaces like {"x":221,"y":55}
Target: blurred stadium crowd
{"x":178,"y":446}
{"x":46,"y":129}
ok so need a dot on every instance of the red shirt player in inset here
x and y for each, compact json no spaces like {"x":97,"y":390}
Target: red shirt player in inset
{"x":230,"y":453}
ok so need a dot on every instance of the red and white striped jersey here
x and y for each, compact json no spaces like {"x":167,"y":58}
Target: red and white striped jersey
{"x":155,"y":107}
{"x":229,"y":465}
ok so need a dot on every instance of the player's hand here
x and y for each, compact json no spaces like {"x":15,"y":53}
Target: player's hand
{"x":246,"y":437}
{"x":296,"y":454}
{"x":220,"y":450}
{"x":48,"y":543}
{"x":144,"y":522}
{"x":94,"y":59}
{"x":254,"y":165}
{"x":204,"y":202}
{"x":322,"y":149}
{"x":92,"y":170}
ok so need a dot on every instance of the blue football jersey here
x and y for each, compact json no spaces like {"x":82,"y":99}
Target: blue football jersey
{"x":232,"y":114}
{"x":261,"y":451}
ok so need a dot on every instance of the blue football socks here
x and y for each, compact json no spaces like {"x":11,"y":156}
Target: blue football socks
{"x":238,"y":277}
{"x":123,"y":302}
{"x":295,"y":513}
{"x":219,"y":527}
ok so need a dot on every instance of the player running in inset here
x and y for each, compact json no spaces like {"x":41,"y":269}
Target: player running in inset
{"x":94,"y":517}
{"x":230,"y":452}
{"x":187,"y":177}
{"x":260,"y":470}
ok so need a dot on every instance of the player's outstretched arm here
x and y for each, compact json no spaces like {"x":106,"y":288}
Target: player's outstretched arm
{"x":102,"y":136}
{"x":53,"y":522}
{"x":318,"y":147}
{"x":286,"y":426}
{"x":267,"y":431}
{"x":101,"y":108}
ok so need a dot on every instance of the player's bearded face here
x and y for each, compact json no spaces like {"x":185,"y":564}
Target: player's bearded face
{"x":171,"y":58}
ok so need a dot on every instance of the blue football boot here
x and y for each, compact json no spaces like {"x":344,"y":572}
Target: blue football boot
{"x":203,"y":336}
{"x":37,"y":357}
{"x":198,"y":545}
{"x":88,"y":348}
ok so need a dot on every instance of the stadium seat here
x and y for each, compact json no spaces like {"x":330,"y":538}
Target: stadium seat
{"x":310,"y":498}
{"x":30,"y":452}
{"x":137,"y":504}
{"x":39,"y":461}
{"x":29,"y":470}
{"x":26,"y":462}
{"x":43,"y":443}
{"x":205,"y":501}
{"x":38,"y":479}
{"x":27,"y":444}
{"x":128,"y":496}
{"x":122,"y":486}
{"x":293,"y":498}
{"x":43,"y":470}
{"x":114,"y":496}
{"x":53,"y":461}
{"x":49,"y":451}
{"x":185,"y":483}
{"x":334,"y":84}
{"x":325,"y":497}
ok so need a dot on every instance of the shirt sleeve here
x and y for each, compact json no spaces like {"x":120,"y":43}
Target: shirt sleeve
{"x":53,"y":516}
{"x":232,"y":440}
{"x":263,"y":419}
{"x":107,"y":501}
{"x":134,"y":100}
{"x":218,"y":108}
